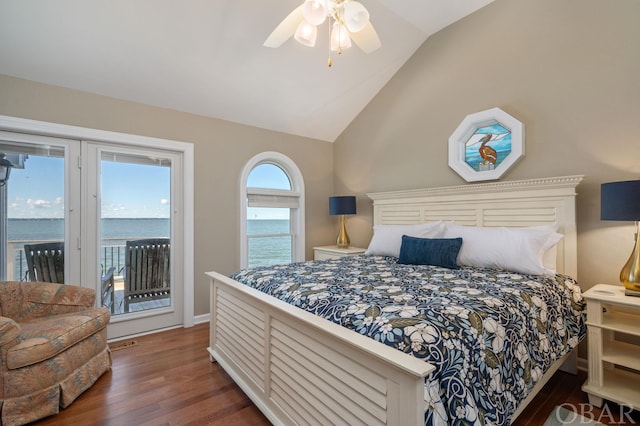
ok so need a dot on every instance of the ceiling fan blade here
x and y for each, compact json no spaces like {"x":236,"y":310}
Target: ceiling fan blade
{"x":367,"y":39}
{"x":285,"y":29}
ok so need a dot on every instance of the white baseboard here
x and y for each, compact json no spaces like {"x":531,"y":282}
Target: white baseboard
{"x":145,"y":333}
{"x":199,"y":319}
{"x":582,"y":364}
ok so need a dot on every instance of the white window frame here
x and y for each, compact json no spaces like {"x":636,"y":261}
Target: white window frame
{"x":297,"y":214}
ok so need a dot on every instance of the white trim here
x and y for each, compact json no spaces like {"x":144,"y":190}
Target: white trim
{"x":201,"y":319}
{"x":297,"y":189}
{"x":145,"y":333}
{"x":82,"y":133}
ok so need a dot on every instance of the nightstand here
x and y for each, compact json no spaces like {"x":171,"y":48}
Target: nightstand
{"x":614,"y":365}
{"x":332,"y":252}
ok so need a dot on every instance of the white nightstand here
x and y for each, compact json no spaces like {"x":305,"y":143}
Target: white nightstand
{"x":332,"y":252}
{"x":611,"y":316}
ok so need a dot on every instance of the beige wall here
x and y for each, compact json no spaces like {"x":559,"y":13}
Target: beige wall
{"x":568,"y":69}
{"x":221,"y":151}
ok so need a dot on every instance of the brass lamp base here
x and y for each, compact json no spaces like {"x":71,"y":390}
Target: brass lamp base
{"x":630,"y":274}
{"x":343,"y":237}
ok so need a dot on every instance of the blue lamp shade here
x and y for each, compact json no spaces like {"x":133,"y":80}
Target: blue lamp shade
{"x":342,"y":205}
{"x":620,"y":200}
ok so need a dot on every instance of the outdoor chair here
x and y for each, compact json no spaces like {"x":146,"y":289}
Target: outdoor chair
{"x":147,"y":272}
{"x":107,"y":288}
{"x":45,"y":262}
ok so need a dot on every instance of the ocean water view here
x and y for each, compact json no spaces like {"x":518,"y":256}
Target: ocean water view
{"x":119,"y":229}
{"x":266,"y":247}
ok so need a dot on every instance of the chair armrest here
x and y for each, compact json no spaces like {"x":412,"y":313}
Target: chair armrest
{"x":9,"y":330}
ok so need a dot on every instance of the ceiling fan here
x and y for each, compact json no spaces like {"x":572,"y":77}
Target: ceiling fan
{"x":348,"y":20}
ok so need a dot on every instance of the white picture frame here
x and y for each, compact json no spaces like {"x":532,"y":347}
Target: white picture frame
{"x":485,"y":145}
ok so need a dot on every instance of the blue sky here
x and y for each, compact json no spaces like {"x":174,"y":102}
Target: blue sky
{"x":129,"y":190}
{"x":267,"y":176}
{"x":135,"y":190}
{"x":37,"y":191}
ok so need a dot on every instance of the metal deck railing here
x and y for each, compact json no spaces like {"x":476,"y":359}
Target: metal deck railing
{"x":112,"y":251}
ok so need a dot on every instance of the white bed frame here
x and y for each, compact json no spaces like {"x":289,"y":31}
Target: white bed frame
{"x":302,"y":369}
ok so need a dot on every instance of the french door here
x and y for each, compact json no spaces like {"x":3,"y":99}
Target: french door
{"x":135,"y":255}
{"x":99,"y":200}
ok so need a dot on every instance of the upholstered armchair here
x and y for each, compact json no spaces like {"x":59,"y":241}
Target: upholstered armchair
{"x":53,"y":347}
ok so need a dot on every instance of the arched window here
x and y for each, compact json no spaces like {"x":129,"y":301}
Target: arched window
{"x":272,"y":211}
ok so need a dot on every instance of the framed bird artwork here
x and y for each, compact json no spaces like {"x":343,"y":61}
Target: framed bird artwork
{"x":485,"y":145}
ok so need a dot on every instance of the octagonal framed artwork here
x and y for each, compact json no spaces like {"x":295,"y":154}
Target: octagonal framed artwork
{"x":485,"y":145}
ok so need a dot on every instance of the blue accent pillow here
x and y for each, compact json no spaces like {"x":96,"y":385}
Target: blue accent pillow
{"x":430,"y":251}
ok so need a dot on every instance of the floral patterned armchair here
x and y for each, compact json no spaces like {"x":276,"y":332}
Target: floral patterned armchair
{"x":53,"y":347}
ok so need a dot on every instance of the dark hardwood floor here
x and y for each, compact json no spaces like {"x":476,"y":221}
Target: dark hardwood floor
{"x":167,"y":379}
{"x":565,"y":390}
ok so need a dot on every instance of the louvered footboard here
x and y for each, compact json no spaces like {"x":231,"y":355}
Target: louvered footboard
{"x":301,"y":369}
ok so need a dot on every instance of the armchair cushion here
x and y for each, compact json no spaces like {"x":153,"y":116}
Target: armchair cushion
{"x":44,"y":338}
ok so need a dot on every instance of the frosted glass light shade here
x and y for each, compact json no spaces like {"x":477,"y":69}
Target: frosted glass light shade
{"x":340,"y":37}
{"x":356,"y":16}
{"x":306,"y":34}
{"x":314,"y":11}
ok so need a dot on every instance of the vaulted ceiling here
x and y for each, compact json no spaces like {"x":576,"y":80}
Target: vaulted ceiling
{"x":206,"y":56}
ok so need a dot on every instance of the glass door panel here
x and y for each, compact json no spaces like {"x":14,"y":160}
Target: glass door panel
{"x":135,"y":231}
{"x":36,"y":209}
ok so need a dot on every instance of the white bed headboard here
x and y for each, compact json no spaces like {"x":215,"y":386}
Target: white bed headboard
{"x":509,"y":203}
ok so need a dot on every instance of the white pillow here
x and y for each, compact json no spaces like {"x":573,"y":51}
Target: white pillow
{"x":387,"y":239}
{"x":519,"y":250}
{"x":549,"y":259}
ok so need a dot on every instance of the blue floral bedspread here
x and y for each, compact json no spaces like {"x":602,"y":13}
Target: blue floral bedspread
{"x":490,"y":334}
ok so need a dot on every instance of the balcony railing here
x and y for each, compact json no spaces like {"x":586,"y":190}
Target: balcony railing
{"x":112,"y":251}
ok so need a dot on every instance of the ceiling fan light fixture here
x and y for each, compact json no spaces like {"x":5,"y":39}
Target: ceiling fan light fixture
{"x":306,"y":34}
{"x":347,"y":21}
{"x":356,"y":16}
{"x":314,"y":11}
{"x":340,"y":37}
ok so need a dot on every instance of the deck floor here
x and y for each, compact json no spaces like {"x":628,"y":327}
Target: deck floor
{"x":118,"y":297}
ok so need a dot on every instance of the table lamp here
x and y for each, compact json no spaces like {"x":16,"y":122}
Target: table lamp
{"x":621,"y":201}
{"x":342,"y":206}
